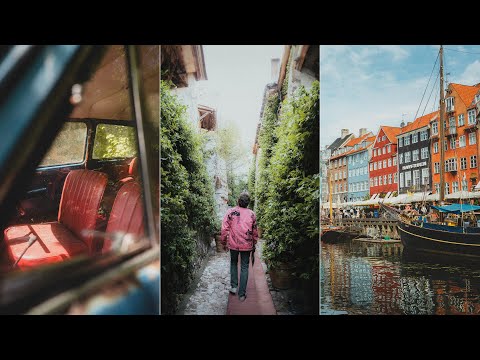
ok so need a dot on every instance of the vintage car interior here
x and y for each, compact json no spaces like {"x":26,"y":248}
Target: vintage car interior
{"x":86,"y":194}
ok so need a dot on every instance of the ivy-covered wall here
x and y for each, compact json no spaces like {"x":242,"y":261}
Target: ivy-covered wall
{"x":288,"y":186}
{"x":187,"y":202}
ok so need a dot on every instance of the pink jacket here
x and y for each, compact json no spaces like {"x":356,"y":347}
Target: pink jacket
{"x":240,"y":227}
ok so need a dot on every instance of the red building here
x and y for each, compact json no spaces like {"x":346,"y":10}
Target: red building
{"x":382,"y":167}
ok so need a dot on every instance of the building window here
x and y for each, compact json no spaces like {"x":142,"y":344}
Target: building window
{"x":424,"y":153}
{"x":450,"y":103}
{"x":371,"y":166}
{"x":451,"y":122}
{"x":395,"y":178}
{"x":454,"y":186}
{"x":435,"y":127}
{"x":435,"y":147}
{"x":380,"y":180}
{"x":423,"y":135}
{"x":463,"y":163}
{"x":473,"y":161}
{"x":402,"y":180}
{"x":407,"y":157}
{"x":416,"y":177}
{"x":344,"y":161}
{"x":376,"y":181}
{"x":437,"y":188}
{"x":406,"y":140}
{"x":461,"y":119}
{"x":394,"y":161}
{"x":336,"y":163}
{"x":461,"y":141}
{"x":452,"y":143}
{"x":349,"y":173}
{"x":472,"y":140}
{"x":384,"y":138}
{"x":349,"y":160}
{"x":436,"y":168}
{"x":389,"y":178}
{"x":447,"y":188}
{"x":384,"y":164}
{"x":375,"y":165}
{"x":384,"y":150}
{"x":400,"y":142}
{"x":374,"y":152}
{"x":389,"y":162}
{"x":340,"y":187}
{"x":379,"y":164}
{"x":445,"y":145}
{"x":401,"y":158}
{"x":344,"y":174}
{"x":384,"y":179}
{"x":371,"y":182}
{"x":471,"y":117}
{"x":451,"y":165}
{"x":425,"y":176}
{"x":464,"y":185}
{"x":365,"y":156}
{"x":415,"y":155}
{"x":357,"y":171}
{"x":414,"y":138}
{"x":408,"y":179}
{"x":389,"y":148}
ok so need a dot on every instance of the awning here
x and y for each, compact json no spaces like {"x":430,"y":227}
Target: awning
{"x":457,"y":208}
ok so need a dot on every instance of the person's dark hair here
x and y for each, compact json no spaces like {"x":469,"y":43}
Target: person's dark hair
{"x":244,"y":199}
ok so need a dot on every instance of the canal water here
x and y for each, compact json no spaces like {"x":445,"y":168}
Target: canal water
{"x":374,"y":279}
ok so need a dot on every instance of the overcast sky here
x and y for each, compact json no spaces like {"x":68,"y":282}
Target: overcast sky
{"x":237,"y":75}
{"x":369,"y":86}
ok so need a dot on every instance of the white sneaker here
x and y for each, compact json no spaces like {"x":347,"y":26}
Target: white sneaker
{"x":233,"y":291}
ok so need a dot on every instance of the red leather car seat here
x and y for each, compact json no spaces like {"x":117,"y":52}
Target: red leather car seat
{"x":57,"y":241}
{"x":127,"y":213}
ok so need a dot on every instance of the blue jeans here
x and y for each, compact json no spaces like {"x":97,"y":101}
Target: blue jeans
{"x":244,"y":262}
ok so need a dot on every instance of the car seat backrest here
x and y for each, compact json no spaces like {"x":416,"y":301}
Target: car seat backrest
{"x":81,"y":196}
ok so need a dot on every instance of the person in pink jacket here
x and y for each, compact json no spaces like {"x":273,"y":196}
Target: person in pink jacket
{"x":239,"y":230}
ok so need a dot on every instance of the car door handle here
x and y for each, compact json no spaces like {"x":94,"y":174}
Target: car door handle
{"x":35,"y":192}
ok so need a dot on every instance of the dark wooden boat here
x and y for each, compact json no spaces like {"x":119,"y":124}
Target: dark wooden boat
{"x":332,"y":234}
{"x":442,"y":239}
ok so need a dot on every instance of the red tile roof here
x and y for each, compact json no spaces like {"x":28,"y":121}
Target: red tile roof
{"x":391,"y":132}
{"x":420,"y":122}
{"x":352,"y":143}
{"x":466,"y":92}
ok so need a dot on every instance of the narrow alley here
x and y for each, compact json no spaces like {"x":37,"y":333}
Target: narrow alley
{"x":211,"y":295}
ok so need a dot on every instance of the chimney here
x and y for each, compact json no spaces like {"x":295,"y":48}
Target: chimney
{"x":363,"y":131}
{"x":402,"y":124}
{"x":275,"y":68}
{"x":345,"y":132}
{"x":408,"y":123}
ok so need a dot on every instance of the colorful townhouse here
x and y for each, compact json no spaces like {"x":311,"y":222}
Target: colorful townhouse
{"x":383,"y":173}
{"x":357,"y":165}
{"x":460,"y":144}
{"x":414,"y":165}
{"x":327,"y":154}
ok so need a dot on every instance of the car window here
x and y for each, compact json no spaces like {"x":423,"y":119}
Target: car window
{"x":114,"y":141}
{"x":68,"y":147}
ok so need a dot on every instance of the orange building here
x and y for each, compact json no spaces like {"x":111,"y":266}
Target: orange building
{"x":461,"y":154}
{"x":383,"y":164}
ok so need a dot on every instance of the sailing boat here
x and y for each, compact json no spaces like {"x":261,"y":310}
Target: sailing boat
{"x":443,"y":237}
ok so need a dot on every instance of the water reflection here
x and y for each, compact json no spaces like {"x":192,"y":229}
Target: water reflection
{"x":365,"y":278}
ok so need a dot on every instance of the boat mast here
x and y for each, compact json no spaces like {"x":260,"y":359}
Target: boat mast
{"x":330,"y":194}
{"x":441,"y":125}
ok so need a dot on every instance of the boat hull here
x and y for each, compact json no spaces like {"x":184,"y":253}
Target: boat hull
{"x":336,"y":235}
{"x":419,"y":238}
